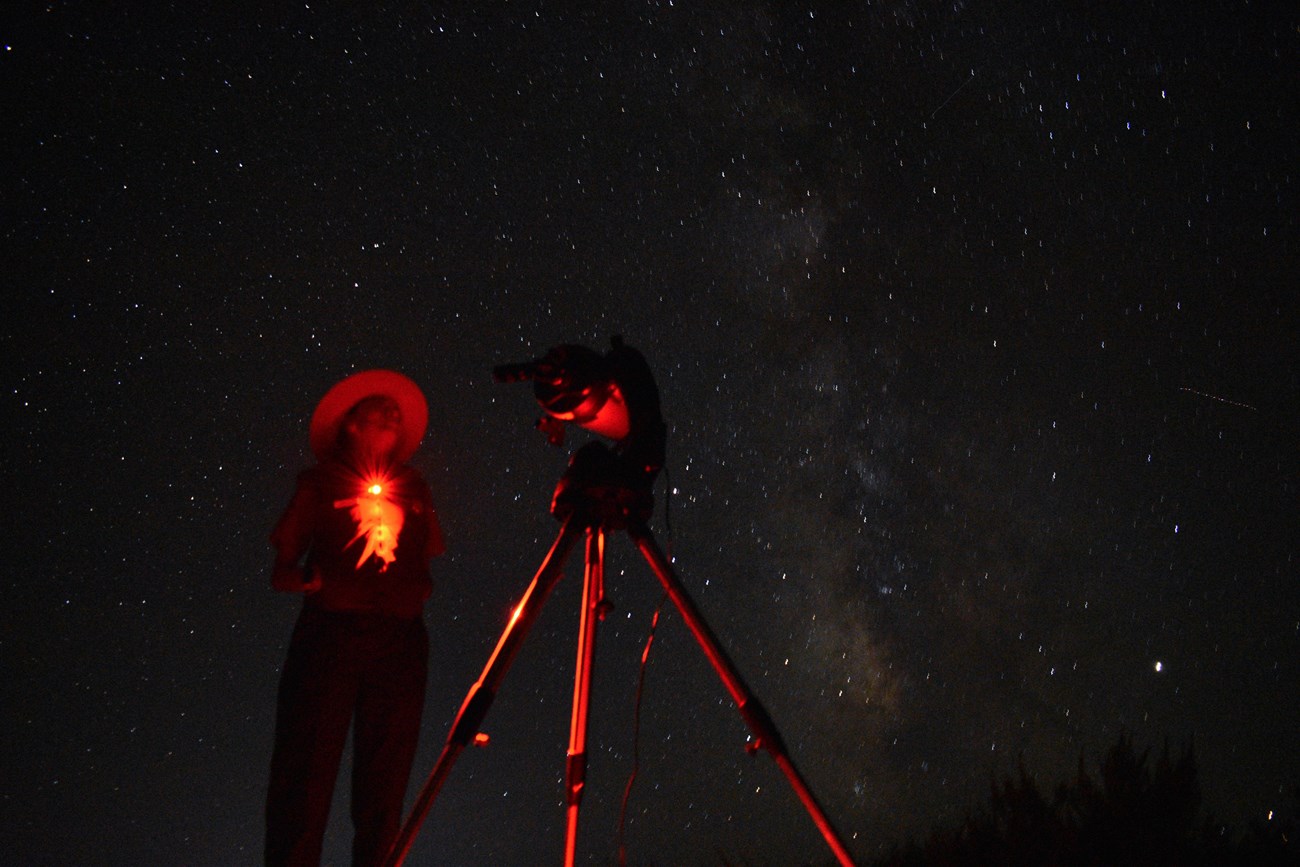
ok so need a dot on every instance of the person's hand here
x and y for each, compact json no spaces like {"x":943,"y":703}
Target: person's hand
{"x":292,"y":578}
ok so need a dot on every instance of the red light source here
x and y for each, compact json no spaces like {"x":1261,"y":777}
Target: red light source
{"x":378,"y":518}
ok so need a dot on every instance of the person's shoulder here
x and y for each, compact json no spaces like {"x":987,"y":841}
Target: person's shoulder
{"x":412,"y":478}
{"x":311,"y":473}
{"x":409,"y":472}
{"x":316,"y":477}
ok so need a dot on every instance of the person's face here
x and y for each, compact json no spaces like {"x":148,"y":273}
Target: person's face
{"x":374,"y":425}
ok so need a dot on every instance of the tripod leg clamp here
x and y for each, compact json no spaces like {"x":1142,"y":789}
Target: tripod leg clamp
{"x":764,"y":730}
{"x":575,"y":776}
{"x":466,"y":729}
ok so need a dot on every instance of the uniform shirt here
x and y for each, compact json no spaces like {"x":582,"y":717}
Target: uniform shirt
{"x":321,"y":523}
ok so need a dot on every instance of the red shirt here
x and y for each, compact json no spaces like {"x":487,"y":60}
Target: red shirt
{"x":361,"y":570}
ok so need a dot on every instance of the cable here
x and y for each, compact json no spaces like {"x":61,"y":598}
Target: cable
{"x":636,"y":733}
{"x":640,"y":684}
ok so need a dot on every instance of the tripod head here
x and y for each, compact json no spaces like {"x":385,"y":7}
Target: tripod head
{"x":613,"y":395}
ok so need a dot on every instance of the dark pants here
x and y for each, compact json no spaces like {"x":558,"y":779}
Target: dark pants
{"x":343,"y":668}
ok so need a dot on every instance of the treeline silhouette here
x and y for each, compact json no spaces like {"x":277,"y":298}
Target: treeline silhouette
{"x":1133,"y":813}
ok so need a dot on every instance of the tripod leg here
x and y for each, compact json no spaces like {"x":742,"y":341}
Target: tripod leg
{"x":755,"y":716}
{"x":593,"y":597}
{"x":481,"y":694}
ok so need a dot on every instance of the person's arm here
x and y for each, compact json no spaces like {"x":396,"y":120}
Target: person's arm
{"x":437,"y":545}
{"x":291,"y":538}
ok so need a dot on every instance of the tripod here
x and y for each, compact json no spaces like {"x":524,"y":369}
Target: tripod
{"x":593,"y":500}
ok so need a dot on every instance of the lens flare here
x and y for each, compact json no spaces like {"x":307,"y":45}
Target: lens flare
{"x":378,"y":518}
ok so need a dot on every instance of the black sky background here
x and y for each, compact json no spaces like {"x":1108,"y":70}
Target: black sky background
{"x":974,"y":325}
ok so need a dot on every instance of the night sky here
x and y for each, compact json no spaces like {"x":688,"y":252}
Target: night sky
{"x":974,"y":324}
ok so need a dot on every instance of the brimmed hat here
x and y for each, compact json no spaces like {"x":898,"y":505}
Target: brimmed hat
{"x":328,"y":417}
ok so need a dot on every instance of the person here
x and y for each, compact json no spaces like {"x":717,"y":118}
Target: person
{"x":356,"y":541}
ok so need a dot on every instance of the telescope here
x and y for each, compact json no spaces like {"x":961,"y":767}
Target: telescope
{"x":613,"y":395}
{"x":606,"y":488}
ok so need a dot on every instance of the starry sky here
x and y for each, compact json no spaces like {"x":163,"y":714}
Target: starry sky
{"x":974,"y":326}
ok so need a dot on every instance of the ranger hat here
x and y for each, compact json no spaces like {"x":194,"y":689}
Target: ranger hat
{"x":328,"y":417}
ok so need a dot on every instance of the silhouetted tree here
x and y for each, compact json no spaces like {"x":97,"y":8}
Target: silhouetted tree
{"x":1136,"y":816}
{"x":1132,"y":814}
